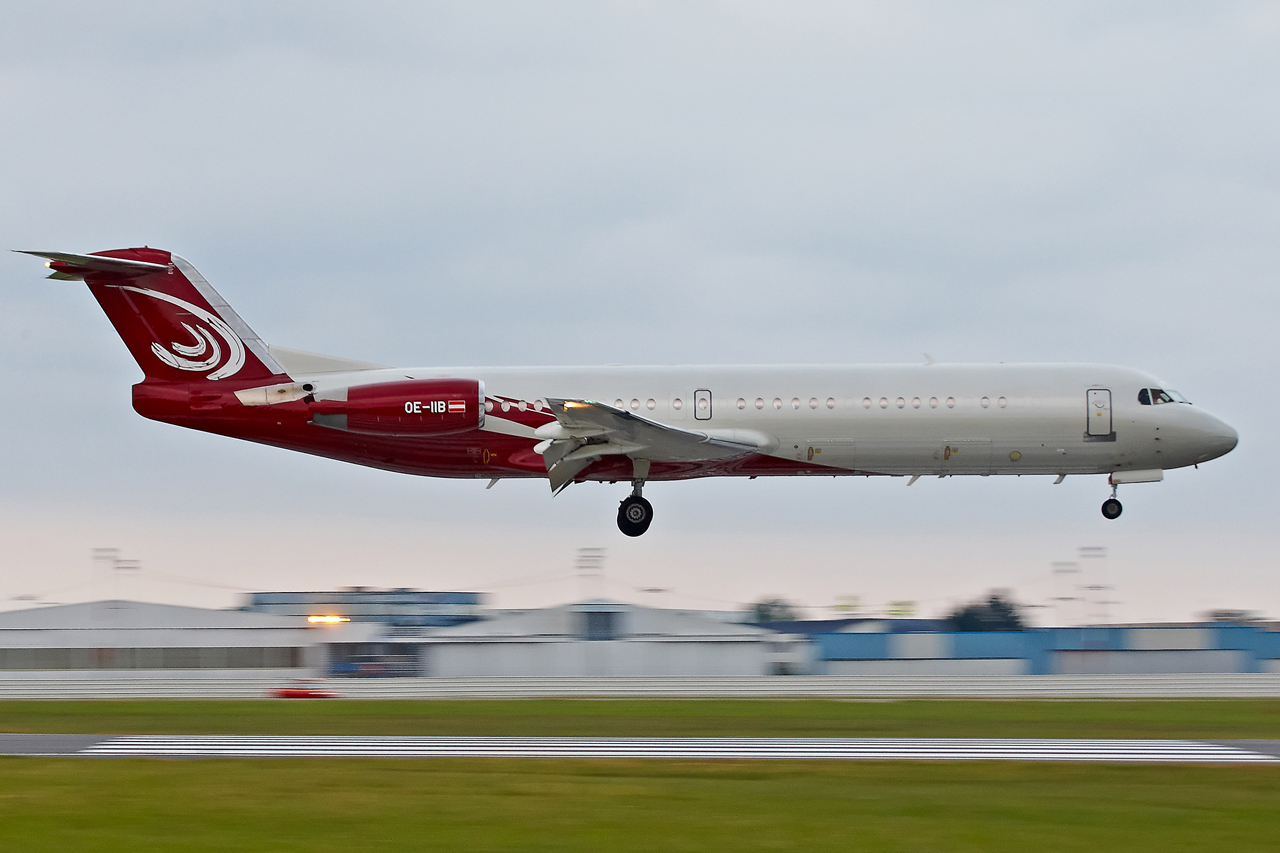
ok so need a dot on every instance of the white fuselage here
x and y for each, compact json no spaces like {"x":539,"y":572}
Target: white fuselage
{"x":940,"y":419}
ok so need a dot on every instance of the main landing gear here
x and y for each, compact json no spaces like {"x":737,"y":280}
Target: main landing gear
{"x":1111,"y":508}
{"x":635,"y":514}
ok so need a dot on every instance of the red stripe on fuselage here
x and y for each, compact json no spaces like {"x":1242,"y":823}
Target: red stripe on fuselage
{"x":471,"y":454}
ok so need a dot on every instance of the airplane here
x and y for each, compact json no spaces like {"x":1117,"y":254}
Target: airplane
{"x":205,"y":369}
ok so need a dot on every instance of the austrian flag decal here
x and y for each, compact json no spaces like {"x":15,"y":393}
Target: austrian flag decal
{"x":457,"y":406}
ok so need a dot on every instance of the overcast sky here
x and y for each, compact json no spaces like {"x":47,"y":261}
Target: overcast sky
{"x":560,"y":183}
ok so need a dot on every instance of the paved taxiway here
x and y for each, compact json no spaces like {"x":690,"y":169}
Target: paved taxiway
{"x":847,"y":749}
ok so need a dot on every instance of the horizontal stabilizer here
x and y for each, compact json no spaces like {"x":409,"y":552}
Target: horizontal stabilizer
{"x":93,"y":263}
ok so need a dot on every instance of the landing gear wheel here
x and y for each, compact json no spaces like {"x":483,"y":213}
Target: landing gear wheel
{"x":1111,"y":508}
{"x":634,"y":515}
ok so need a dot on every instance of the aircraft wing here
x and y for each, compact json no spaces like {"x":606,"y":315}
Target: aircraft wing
{"x":586,"y":431}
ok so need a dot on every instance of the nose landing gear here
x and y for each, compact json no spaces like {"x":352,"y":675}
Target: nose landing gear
{"x":1111,"y":508}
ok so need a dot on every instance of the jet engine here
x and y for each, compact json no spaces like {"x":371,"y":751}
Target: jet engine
{"x":416,"y":407}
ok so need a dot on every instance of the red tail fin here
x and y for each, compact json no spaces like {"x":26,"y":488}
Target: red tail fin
{"x":174,"y":323}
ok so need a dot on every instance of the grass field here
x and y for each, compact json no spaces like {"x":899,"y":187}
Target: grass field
{"x":570,"y":805}
{"x":542,"y":805}
{"x":1199,"y":719}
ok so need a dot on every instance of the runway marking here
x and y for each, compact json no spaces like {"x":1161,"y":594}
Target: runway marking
{"x":848,"y":749}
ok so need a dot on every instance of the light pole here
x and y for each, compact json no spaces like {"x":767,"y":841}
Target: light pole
{"x":120,"y":568}
{"x":590,"y":568}
{"x":1065,"y":574}
{"x":1097,"y":555}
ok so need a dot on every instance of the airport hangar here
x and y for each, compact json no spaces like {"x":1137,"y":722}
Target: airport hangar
{"x":387,"y":633}
{"x":406,"y":633}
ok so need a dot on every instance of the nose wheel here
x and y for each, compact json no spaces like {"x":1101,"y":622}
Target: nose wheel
{"x":1111,"y":508}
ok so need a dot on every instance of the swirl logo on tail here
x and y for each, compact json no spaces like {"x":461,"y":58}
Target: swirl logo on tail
{"x":206,"y":353}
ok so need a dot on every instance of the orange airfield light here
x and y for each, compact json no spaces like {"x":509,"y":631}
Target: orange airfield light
{"x":327,"y":620}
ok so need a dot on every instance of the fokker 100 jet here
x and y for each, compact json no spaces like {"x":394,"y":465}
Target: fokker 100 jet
{"x":206,"y":369}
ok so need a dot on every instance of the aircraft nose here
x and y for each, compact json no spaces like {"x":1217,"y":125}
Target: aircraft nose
{"x":1219,"y":439}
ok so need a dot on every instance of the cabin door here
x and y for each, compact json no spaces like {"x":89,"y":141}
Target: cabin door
{"x":1099,"y":406}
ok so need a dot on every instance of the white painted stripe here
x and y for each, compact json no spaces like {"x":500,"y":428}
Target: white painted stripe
{"x":923,"y":749}
{"x":208,"y":685}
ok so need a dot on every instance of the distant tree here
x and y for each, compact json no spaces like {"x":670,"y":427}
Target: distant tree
{"x":773,"y":610}
{"x":998,"y":612}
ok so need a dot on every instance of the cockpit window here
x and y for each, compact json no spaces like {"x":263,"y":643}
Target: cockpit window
{"x":1158,"y":396}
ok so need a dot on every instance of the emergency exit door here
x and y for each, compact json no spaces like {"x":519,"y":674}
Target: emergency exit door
{"x":1099,"y":405}
{"x":702,"y":404}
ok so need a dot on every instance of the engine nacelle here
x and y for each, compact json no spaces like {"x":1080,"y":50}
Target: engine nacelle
{"x":414,"y":407}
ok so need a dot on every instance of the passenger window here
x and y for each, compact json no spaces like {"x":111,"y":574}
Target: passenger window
{"x":1144,"y":397}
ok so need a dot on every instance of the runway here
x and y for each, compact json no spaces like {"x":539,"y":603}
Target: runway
{"x":842,"y":749}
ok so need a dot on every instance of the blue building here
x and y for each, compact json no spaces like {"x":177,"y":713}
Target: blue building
{"x":1207,"y":648}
